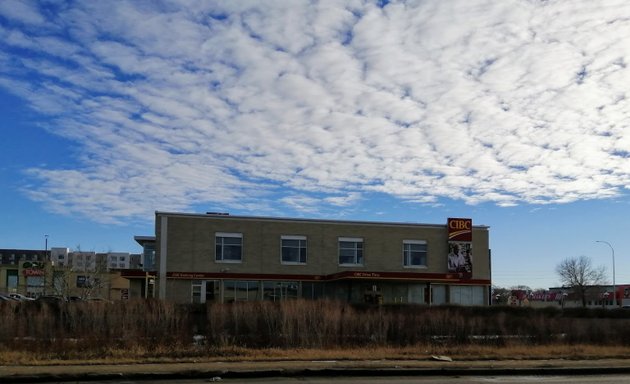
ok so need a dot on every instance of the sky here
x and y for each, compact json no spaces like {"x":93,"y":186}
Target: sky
{"x":514,"y":113}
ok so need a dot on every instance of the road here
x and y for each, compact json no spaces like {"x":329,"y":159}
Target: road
{"x":586,"y":379}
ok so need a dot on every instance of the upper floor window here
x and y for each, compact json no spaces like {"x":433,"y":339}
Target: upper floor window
{"x":350,"y":251}
{"x":229,"y":247}
{"x":293,"y":249}
{"x":414,"y":253}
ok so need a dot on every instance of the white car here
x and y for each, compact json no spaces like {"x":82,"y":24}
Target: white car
{"x":20,"y":297}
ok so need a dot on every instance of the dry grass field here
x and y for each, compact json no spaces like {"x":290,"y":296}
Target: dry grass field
{"x":155,"y":331}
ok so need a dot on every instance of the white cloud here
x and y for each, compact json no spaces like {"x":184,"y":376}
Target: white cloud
{"x":344,"y":201}
{"x":304,"y":105}
{"x":21,"y":11}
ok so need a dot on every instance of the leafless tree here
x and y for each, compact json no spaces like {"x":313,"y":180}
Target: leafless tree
{"x":580,"y":274}
{"x":87,"y":280}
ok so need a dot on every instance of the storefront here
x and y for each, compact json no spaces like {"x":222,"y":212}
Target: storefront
{"x":223,"y":258}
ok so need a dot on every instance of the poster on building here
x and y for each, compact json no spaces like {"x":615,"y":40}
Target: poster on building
{"x":460,"y":247}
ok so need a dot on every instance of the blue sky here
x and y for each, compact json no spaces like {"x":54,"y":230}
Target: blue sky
{"x":513,"y":113}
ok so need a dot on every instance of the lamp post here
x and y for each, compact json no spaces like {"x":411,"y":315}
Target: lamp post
{"x":613,"y":271}
{"x":45,"y":261}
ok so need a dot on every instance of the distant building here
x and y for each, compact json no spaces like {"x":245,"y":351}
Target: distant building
{"x":60,"y":256}
{"x":118,"y":260}
{"x":23,"y":268}
{"x":223,"y":258}
{"x":61,"y":271}
{"x":87,"y":261}
{"x":597,"y":296}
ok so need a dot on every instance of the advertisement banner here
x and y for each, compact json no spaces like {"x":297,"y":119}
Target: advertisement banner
{"x":460,"y":254}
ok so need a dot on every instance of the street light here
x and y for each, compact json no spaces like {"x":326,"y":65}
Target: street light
{"x":45,"y":261}
{"x":613,"y":260}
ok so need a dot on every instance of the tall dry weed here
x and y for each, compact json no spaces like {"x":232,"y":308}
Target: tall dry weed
{"x":167,"y":329}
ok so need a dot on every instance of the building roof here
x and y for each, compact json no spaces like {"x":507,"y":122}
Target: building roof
{"x":227,"y":216}
{"x":144,"y":239}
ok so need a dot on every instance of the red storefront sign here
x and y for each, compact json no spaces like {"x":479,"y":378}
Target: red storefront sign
{"x":459,"y":229}
{"x":33,"y":272}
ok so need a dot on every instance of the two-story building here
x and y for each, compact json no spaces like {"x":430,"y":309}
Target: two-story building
{"x":224,"y":258}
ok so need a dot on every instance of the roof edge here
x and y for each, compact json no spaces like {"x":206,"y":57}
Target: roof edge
{"x":225,"y":216}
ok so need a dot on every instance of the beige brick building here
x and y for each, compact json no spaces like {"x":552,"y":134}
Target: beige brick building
{"x":218,"y":257}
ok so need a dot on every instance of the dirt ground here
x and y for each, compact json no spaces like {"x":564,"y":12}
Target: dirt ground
{"x":294,"y":367}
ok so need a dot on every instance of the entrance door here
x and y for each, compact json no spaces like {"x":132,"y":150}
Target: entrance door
{"x":204,"y":291}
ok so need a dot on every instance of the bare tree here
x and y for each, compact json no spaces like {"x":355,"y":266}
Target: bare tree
{"x":579,"y":274}
{"x":84,"y":279}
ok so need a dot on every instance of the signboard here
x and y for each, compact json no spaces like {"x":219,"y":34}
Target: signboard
{"x":33,"y":272}
{"x":460,"y":254}
{"x":460,"y":229}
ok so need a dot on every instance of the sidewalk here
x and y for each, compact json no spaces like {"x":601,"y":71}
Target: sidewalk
{"x":243,"y":369}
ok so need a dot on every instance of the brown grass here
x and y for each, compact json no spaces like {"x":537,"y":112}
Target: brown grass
{"x":472,"y":353}
{"x":153,"y":331}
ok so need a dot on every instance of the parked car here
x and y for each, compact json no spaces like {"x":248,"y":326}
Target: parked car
{"x":20,"y":297}
{"x":6,"y":298}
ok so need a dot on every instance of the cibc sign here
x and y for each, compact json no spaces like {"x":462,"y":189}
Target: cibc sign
{"x":459,"y":229}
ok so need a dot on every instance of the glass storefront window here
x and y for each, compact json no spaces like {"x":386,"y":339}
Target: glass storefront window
{"x":281,"y":290}
{"x":236,"y":290}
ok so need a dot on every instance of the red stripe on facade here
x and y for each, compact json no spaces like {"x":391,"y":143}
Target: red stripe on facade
{"x":346,"y":275}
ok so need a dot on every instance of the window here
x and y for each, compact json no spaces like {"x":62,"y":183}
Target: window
{"x":414,"y":253}
{"x":293,"y":249}
{"x":350,"y":251}
{"x":237,"y":290}
{"x":82,"y":282}
{"x":280,"y":290}
{"x":12,"y":279}
{"x":229,"y":247}
{"x":467,"y":295}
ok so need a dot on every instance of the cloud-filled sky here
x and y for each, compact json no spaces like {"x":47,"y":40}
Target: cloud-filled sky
{"x":318,"y":107}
